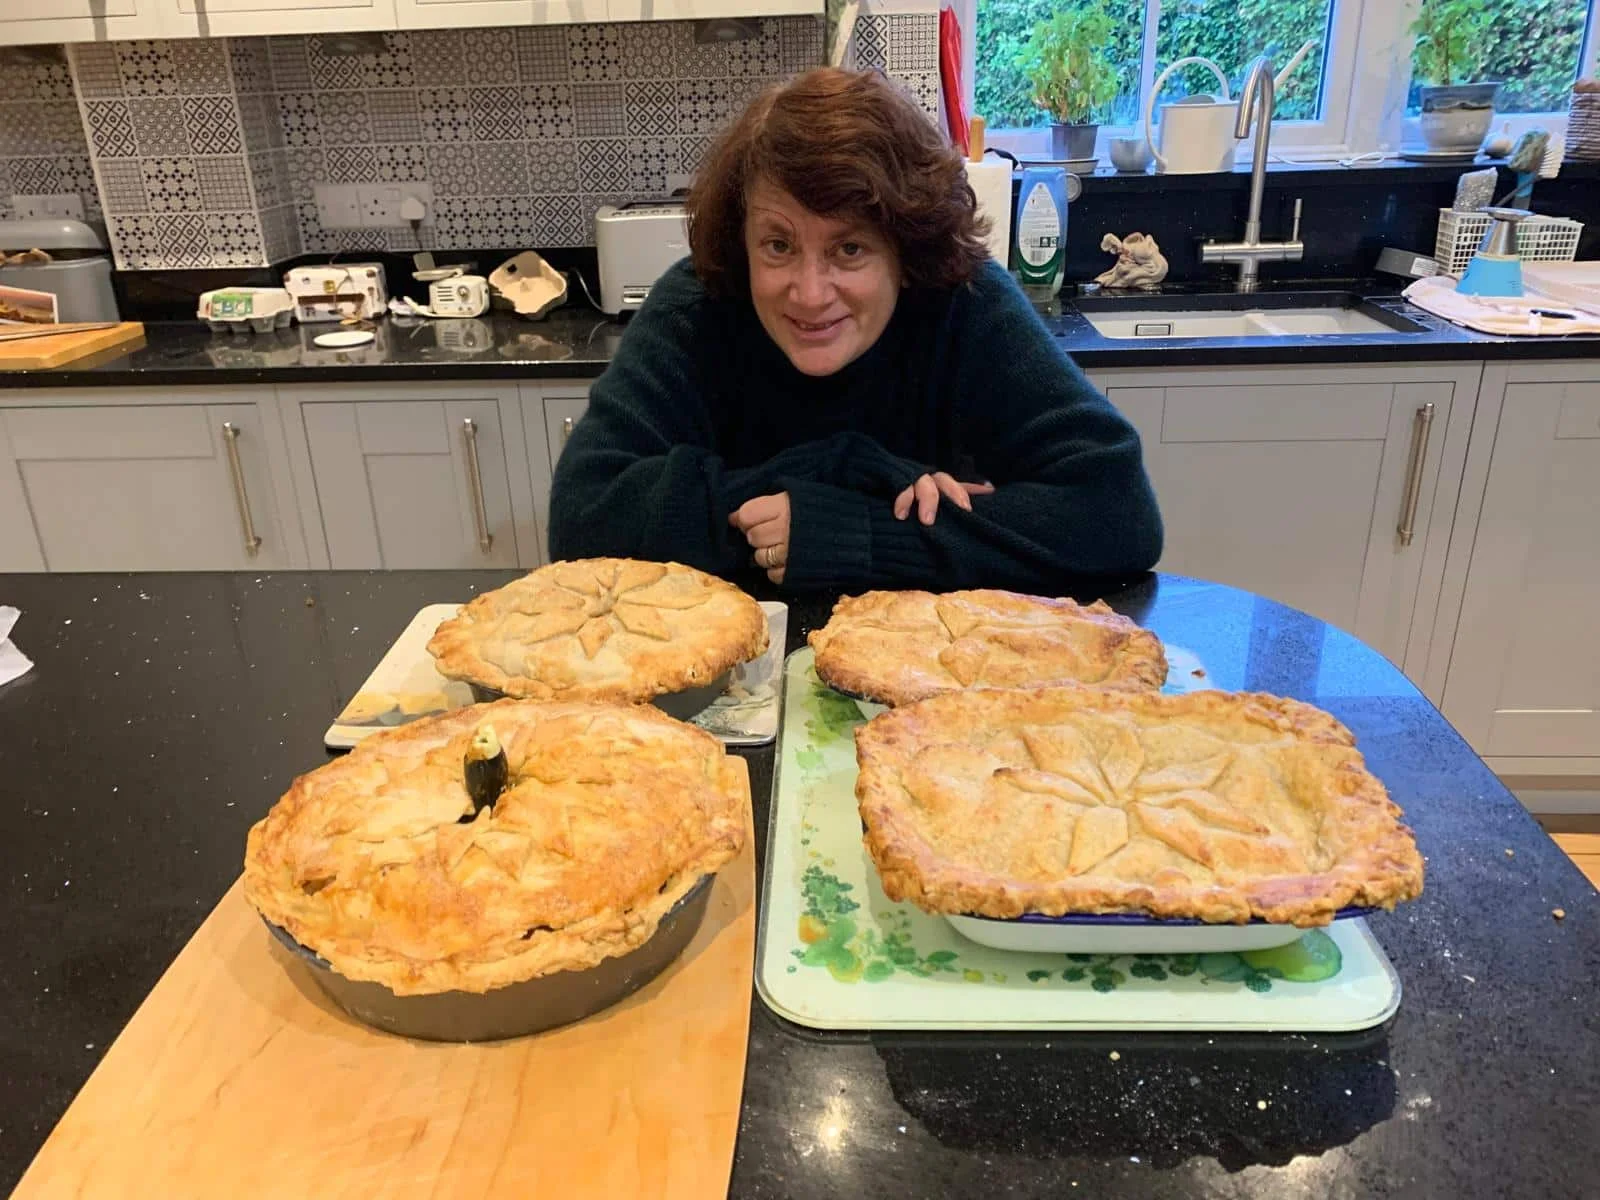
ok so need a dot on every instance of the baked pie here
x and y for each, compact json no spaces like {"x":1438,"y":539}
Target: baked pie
{"x":612,"y":629}
{"x":1217,"y":806}
{"x":897,"y":647}
{"x":496,"y":843}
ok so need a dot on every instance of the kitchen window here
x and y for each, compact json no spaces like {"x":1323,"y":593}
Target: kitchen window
{"x":1353,"y":93}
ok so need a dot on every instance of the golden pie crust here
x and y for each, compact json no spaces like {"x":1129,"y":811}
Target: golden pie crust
{"x":898,"y":647}
{"x":610,"y":816}
{"x":613,"y":629}
{"x":1217,"y":806}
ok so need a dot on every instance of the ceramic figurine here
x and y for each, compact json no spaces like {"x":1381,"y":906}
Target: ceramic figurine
{"x":1140,"y":262}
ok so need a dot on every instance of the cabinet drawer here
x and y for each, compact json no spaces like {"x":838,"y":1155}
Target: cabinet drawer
{"x":1315,"y":413}
{"x":148,"y":488}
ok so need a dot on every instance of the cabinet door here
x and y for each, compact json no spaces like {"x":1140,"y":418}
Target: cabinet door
{"x":444,"y":14}
{"x":24,"y":22}
{"x":148,"y":487}
{"x":1295,"y":491}
{"x":397,"y":485}
{"x":1524,"y":675}
{"x":549,"y":413}
{"x":700,"y":10}
{"x":237,"y":18}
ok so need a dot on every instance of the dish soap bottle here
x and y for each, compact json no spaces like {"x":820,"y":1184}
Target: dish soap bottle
{"x":1040,"y":257}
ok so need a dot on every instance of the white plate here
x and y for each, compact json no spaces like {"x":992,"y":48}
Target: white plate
{"x":1165,"y":938}
{"x":404,"y":686}
{"x":344,"y":339}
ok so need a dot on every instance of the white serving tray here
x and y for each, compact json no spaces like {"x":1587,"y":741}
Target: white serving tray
{"x":836,"y":953}
{"x":404,"y":686}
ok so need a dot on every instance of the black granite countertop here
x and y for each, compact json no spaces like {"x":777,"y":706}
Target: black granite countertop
{"x":168,"y":712}
{"x":577,"y":343}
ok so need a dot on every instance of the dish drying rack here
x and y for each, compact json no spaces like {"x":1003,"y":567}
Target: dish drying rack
{"x":1539,"y":239}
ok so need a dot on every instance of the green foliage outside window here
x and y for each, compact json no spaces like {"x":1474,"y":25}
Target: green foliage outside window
{"x":1533,"y":49}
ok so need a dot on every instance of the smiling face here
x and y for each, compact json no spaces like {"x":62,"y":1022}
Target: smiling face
{"x":823,"y":287}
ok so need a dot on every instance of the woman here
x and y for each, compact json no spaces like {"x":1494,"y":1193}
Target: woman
{"x":838,"y":387}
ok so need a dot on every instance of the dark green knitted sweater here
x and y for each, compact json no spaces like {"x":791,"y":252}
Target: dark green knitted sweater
{"x":701,"y":411}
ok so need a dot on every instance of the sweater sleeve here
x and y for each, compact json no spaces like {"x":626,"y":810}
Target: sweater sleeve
{"x":640,"y":477}
{"x":1072,"y":499}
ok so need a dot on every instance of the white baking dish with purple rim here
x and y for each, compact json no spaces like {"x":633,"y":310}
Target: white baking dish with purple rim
{"x":1127,"y":933}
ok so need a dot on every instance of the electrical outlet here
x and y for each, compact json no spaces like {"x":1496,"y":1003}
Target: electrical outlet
{"x":68,"y":205}
{"x":379,"y":204}
{"x":338,"y":206}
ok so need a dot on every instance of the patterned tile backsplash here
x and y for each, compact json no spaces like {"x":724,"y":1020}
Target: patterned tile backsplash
{"x":206,"y":152}
{"x":42,"y":146}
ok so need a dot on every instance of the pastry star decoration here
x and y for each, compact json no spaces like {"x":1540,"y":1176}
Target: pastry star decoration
{"x":594,"y":603}
{"x":1106,"y":796}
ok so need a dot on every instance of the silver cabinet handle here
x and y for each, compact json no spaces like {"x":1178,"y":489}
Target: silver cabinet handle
{"x":230,"y":437}
{"x":566,"y":429}
{"x":469,"y":434}
{"x":1421,"y":429}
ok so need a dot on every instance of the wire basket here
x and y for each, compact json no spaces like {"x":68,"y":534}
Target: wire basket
{"x":1539,"y":239}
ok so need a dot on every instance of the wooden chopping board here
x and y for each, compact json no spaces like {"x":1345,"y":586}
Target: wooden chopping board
{"x":54,"y":349}
{"x":238,"y":1078}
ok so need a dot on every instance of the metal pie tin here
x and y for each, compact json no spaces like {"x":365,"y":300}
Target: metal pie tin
{"x":518,"y":1009}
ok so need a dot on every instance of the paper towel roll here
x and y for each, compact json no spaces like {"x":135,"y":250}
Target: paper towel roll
{"x":991,"y":183}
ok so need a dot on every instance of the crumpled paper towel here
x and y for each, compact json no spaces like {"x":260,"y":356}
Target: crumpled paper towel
{"x":12,"y":661}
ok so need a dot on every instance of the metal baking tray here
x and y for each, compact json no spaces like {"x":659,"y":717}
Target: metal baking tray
{"x":517,"y":1009}
{"x":682,"y":705}
{"x":1128,"y":933}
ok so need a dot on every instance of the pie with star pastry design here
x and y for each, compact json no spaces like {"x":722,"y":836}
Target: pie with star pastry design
{"x":612,"y":629}
{"x":1218,"y":806}
{"x":897,"y":647}
{"x":398,"y":866}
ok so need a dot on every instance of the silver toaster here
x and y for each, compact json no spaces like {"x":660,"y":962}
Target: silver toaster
{"x":636,"y":244}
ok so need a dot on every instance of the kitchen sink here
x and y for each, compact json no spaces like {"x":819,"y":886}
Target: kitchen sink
{"x":1241,"y":316}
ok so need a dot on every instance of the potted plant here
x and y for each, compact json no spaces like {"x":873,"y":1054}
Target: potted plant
{"x":1068,"y":66}
{"x":1453,"y":38}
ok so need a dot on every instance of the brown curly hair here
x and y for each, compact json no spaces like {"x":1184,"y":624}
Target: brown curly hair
{"x":842,"y":143}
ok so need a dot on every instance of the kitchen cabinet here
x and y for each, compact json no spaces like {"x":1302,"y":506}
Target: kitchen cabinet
{"x":145,"y":486}
{"x":240,"y":18}
{"x":29,"y":22}
{"x":1296,"y":484}
{"x":1523,"y":681}
{"x":408,"y":477}
{"x":549,"y":413}
{"x":442,"y":14}
{"x":700,"y":10}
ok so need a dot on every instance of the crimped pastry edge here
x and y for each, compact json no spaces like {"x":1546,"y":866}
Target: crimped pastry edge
{"x":1142,"y":665}
{"x":573,"y":947}
{"x":1384,"y":869}
{"x":455,"y":658}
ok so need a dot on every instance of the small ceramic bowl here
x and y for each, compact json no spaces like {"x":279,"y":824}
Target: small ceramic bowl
{"x":1131,"y":154}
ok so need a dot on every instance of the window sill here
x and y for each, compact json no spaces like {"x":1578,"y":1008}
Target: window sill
{"x":1107,"y":179}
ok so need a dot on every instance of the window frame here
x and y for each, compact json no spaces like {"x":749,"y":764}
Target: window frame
{"x":1365,"y":83}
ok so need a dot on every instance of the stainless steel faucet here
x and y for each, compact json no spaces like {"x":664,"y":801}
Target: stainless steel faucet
{"x":1256,"y":98}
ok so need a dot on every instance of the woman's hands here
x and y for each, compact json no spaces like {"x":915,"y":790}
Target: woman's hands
{"x":925,"y":493}
{"x":764,"y":522}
